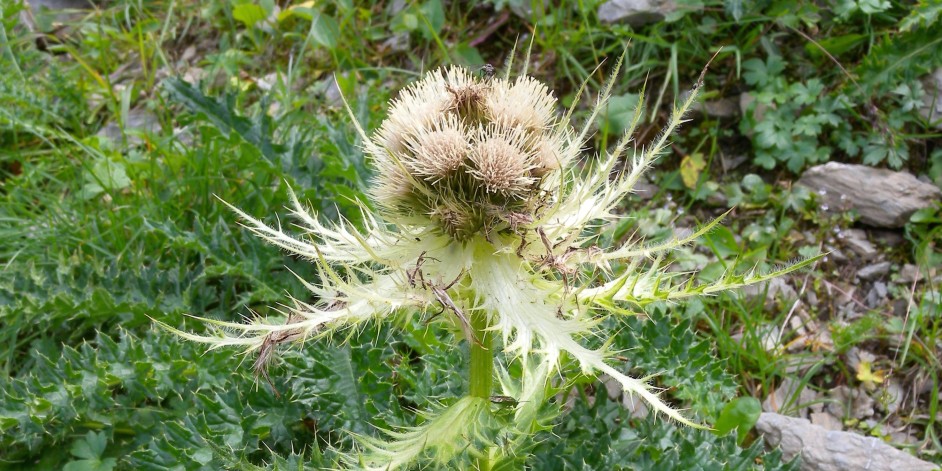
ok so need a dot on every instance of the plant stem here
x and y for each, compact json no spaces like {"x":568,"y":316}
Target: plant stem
{"x":482,"y":357}
{"x":482,"y":369}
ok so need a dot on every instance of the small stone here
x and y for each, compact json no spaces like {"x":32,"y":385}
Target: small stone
{"x":635,"y":12}
{"x":138,"y":121}
{"x":758,"y":112}
{"x":776,"y":288}
{"x":835,"y":253}
{"x":644,"y":190}
{"x":874,"y":271}
{"x":613,"y":388}
{"x":791,"y":396}
{"x":856,"y":241}
{"x":194,"y":75}
{"x":863,"y":406}
{"x":188,"y":54}
{"x":637,"y":406}
{"x":732,"y":162}
{"x":888,"y":238}
{"x":877,"y":295}
{"x":880,"y":288}
{"x":63,"y":11}
{"x":332,"y":95}
{"x":721,"y":108}
{"x":811,"y":298}
{"x":890,"y":396}
{"x":826,"y":420}
{"x":397,"y":42}
{"x":882,"y":198}
{"x":911,"y":273}
{"x":931,"y":109}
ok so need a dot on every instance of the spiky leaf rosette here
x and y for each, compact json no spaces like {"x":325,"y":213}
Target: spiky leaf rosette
{"x":483,"y":210}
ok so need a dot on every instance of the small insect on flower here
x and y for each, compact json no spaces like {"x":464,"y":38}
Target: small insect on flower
{"x":483,"y":213}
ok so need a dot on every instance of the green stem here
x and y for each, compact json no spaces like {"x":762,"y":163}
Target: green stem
{"x":482,"y":369}
{"x":482,"y":357}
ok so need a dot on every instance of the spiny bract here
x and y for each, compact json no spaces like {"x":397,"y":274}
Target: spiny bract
{"x":483,"y":209}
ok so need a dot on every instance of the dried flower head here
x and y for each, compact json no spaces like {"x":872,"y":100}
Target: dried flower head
{"x":483,"y":215}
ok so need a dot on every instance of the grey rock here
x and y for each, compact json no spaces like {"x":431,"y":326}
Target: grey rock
{"x":645,"y":190}
{"x":36,"y":5}
{"x":758,"y":112}
{"x":877,"y":295}
{"x":137,"y":122}
{"x":721,"y":108}
{"x":789,"y":398}
{"x":882,"y":198}
{"x":53,"y":13}
{"x":890,"y":396}
{"x":835,"y":253}
{"x":856,"y":241}
{"x":826,"y":420}
{"x":635,"y":12}
{"x":931,"y":108}
{"x":910,"y":273}
{"x":825,"y":450}
{"x":730,"y":163}
{"x":776,"y":288}
{"x":395,"y":7}
{"x":397,"y":42}
{"x":874,"y":271}
{"x":851,"y":403}
{"x":889,"y":238}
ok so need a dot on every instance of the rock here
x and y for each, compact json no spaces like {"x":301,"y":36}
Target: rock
{"x":49,"y":15}
{"x":789,"y":398}
{"x":827,"y":421}
{"x":776,"y":288}
{"x":635,"y":12}
{"x":637,"y":406}
{"x":851,"y":403}
{"x":730,"y":163}
{"x":911,"y":273}
{"x":835,"y":253}
{"x":269,"y":81}
{"x":874,"y":271}
{"x":758,"y":112}
{"x":890,"y":396}
{"x":722,"y":108}
{"x":138,"y":121}
{"x":877,"y":295}
{"x":60,"y":4}
{"x":824,"y":450}
{"x":613,"y":388}
{"x":888,"y":238}
{"x":931,"y":108}
{"x":194,"y":75}
{"x":882,"y":198}
{"x":856,"y":241}
{"x":397,"y":43}
{"x":333,"y":97}
{"x":644,"y":190}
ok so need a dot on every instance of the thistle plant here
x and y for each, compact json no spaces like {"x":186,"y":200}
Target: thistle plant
{"x":485,"y":220}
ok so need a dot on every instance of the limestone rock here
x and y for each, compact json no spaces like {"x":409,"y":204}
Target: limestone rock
{"x":882,"y":198}
{"x":635,"y":12}
{"x":931,"y":108}
{"x":827,"y":450}
{"x":138,"y":122}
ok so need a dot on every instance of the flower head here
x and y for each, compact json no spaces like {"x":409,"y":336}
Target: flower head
{"x":483,"y":212}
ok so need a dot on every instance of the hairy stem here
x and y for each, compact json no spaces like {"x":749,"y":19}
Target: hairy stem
{"x":482,"y":368}
{"x":482,"y":357}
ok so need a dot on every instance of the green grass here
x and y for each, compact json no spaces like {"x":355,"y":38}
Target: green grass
{"x":101,"y":237}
